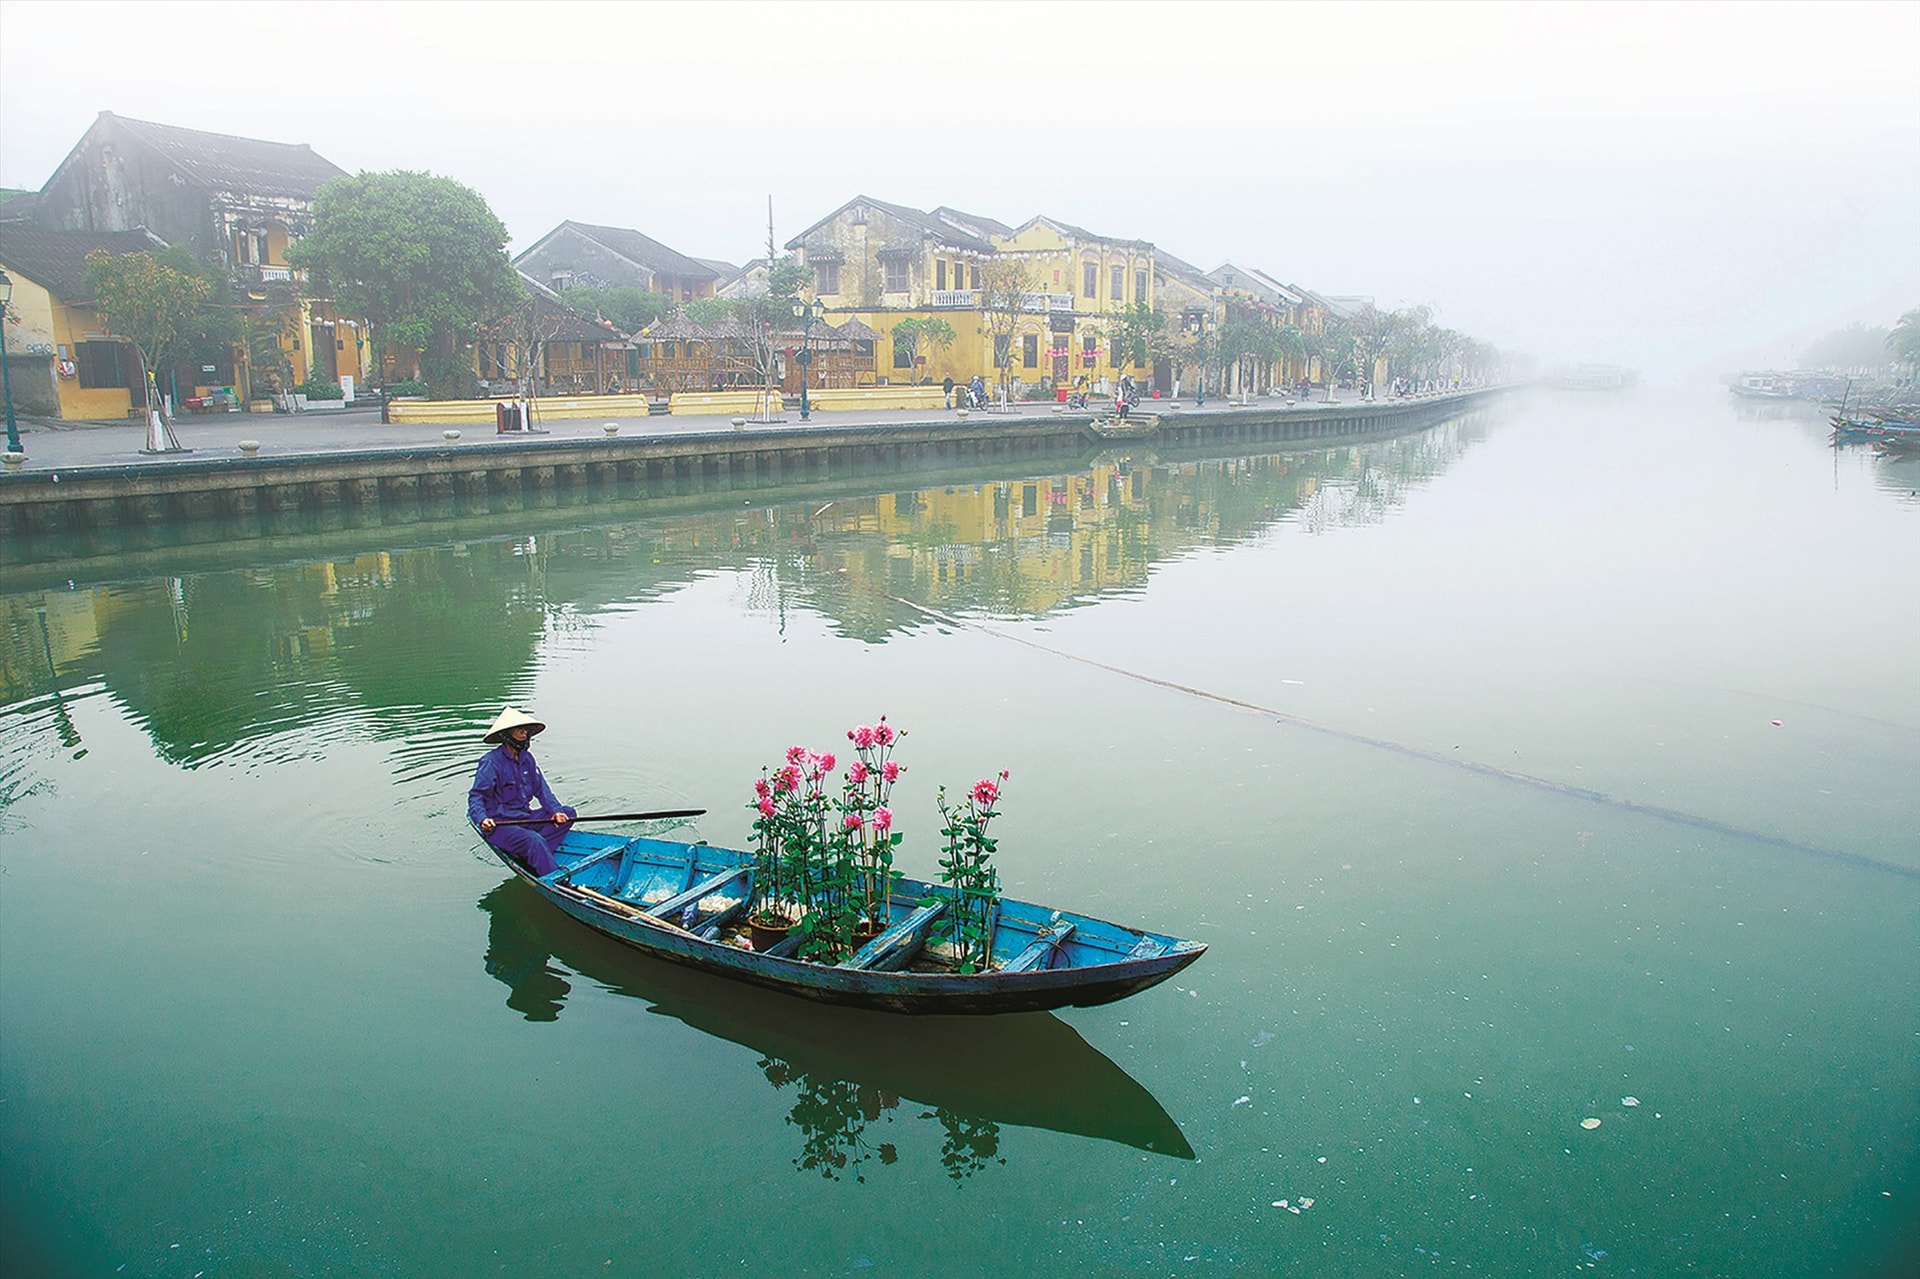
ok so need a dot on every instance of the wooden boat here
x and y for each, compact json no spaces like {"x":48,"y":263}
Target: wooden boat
{"x":1029,"y":1069}
{"x":685,"y":903}
{"x":1134,"y":426}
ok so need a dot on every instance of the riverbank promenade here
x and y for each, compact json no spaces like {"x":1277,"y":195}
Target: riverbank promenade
{"x":65,"y":446}
{"x":76,"y":477}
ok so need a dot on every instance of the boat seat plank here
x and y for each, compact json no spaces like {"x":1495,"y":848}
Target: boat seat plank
{"x":897,"y":945}
{"x":1040,"y":953}
{"x":562,"y":874}
{"x":674,"y":905}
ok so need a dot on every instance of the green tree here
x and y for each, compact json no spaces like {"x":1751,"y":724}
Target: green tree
{"x":1904,"y":339}
{"x":1134,"y":331}
{"x":420,"y":256}
{"x":1005,"y":286}
{"x":631,"y":309}
{"x":147,"y":302}
{"x":1292,"y":347}
{"x":1854,"y":347}
{"x":1247,"y":342}
{"x":922,"y":333}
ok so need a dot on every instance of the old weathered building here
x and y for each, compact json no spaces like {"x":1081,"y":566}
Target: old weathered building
{"x":237,"y":203}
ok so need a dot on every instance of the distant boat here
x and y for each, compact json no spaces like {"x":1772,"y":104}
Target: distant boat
{"x":1799,"y":385}
{"x":1894,"y":428}
{"x":686,"y":903}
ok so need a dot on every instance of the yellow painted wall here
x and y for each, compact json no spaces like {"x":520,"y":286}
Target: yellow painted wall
{"x":37,"y":323}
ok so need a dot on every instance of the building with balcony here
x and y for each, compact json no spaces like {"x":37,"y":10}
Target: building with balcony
{"x":237,"y":203}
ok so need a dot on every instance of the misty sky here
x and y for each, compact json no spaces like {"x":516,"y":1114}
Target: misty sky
{"x":1675,"y":187}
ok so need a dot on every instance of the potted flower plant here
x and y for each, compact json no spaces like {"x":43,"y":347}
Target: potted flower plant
{"x":966,"y":868}
{"x":866,"y":824}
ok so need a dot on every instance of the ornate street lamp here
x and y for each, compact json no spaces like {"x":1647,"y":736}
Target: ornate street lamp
{"x":806,"y":313}
{"x":6,"y":374}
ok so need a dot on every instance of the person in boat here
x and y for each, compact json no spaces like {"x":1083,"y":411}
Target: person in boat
{"x":509,"y":785}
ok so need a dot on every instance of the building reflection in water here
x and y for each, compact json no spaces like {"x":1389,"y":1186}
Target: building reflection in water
{"x":412,"y":644}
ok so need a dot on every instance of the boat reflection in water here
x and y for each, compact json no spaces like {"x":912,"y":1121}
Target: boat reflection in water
{"x":848,"y":1068}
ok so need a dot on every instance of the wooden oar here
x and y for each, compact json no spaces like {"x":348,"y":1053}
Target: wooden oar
{"x":600,"y":817}
{"x":629,"y":910}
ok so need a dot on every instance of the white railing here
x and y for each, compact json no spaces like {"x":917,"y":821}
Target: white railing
{"x":970,"y":300}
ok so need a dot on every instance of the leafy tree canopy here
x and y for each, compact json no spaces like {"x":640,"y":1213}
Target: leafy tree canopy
{"x":631,"y":309}
{"x":422,"y":256}
{"x":144,"y":300}
{"x":1904,"y":341}
{"x":1856,"y":346}
{"x":1135,"y":331}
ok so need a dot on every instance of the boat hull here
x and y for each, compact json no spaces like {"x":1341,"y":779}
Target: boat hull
{"x":1042,"y":989}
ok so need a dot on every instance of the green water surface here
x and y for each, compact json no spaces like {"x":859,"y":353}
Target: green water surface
{"x":1557,"y":764}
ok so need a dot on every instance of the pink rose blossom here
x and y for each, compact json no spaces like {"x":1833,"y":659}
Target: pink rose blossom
{"x":891,"y":771}
{"x":857,"y":773}
{"x":883,"y":732}
{"x":766,"y":806}
{"x":761,"y":788}
{"x":796,"y":754}
{"x":826,"y":762}
{"x":985,"y":793}
{"x":861,"y":736}
{"x":882,"y":819}
{"x":853,"y":821}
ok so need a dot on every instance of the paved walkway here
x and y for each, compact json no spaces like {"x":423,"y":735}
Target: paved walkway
{"x":57,"y":445}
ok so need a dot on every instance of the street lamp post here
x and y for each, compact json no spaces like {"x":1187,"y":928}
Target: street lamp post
{"x":806,"y":313}
{"x":6,"y":374}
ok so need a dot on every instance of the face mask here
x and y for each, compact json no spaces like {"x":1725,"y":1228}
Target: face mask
{"x":519,"y":738}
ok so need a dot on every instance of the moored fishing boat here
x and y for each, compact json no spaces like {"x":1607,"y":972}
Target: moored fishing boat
{"x":687,"y":903}
{"x":1134,"y":426}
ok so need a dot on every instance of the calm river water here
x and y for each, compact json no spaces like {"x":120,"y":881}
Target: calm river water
{"x":1555,"y":765}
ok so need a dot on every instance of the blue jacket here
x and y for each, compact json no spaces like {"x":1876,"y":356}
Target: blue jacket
{"x":506,"y":784}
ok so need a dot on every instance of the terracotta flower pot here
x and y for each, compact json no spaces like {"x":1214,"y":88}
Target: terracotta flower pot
{"x":768,"y":932}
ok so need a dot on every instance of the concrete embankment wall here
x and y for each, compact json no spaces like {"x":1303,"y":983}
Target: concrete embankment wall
{"x":192,"y":489}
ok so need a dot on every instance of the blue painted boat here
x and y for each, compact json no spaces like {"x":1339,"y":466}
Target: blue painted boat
{"x":685,"y":903}
{"x":1027,"y":1069}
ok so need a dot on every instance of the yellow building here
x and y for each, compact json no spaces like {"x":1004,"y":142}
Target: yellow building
{"x":1103,"y":275}
{"x":886,"y":263}
{"x":883,"y":263}
{"x":61,"y":362}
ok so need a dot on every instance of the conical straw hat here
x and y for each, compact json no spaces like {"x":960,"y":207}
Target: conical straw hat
{"x":511,"y":718}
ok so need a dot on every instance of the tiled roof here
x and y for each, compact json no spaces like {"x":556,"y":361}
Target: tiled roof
{"x":1182,"y":270}
{"x":947,"y":233}
{"x":635,"y":247}
{"x":1081,"y":233}
{"x":224,"y":163}
{"x":57,"y":260}
{"x":971,"y":222}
